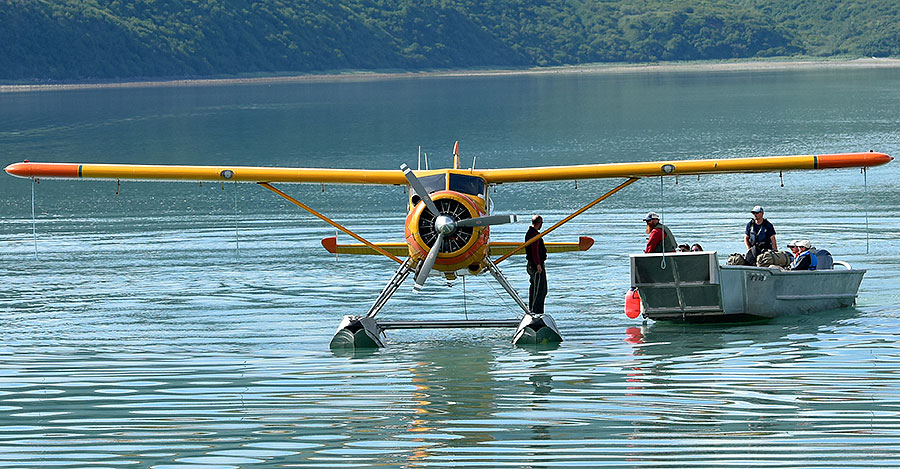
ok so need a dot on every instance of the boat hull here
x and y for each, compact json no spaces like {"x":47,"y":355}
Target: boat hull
{"x":693,"y":287}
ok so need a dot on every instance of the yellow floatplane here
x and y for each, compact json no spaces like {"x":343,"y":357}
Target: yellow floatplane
{"x":448,"y":220}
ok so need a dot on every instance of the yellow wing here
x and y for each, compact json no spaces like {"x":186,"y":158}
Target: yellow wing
{"x":128,"y":172}
{"x":396,"y":177}
{"x":681,"y":167}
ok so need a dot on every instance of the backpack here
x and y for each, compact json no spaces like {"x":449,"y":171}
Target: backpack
{"x":776,"y":258}
{"x":736,"y":259}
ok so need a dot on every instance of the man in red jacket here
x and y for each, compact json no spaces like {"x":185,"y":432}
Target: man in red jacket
{"x":536,"y":254}
{"x":661,"y":239}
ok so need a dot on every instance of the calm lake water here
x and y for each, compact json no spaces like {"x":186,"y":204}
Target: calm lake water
{"x":187,"y":325}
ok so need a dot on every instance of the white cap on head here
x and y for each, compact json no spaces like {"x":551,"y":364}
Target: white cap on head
{"x":651,"y":216}
{"x":757,"y":209}
{"x":804,"y":243}
{"x":793,"y":243}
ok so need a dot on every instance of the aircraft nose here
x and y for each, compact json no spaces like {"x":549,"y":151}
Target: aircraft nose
{"x":444,"y":224}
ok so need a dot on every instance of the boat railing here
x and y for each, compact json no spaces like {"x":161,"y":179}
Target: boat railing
{"x":843,"y":264}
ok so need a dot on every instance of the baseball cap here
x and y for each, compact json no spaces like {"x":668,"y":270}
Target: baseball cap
{"x":651,"y":216}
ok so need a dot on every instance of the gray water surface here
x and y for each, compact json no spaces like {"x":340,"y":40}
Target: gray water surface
{"x":187,"y":325}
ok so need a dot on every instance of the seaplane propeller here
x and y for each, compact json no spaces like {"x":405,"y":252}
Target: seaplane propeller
{"x":446,"y":223}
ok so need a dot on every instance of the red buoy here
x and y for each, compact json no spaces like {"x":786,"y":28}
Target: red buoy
{"x":632,"y":304}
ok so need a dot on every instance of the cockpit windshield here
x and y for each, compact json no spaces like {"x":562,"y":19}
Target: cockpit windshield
{"x":472,"y":185}
{"x":433,"y":183}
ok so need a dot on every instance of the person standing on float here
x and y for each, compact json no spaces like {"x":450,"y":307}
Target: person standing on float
{"x":536,"y":254}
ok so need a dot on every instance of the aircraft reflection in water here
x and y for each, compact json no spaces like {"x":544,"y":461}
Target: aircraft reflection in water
{"x":451,"y":418}
{"x":449,"y":215}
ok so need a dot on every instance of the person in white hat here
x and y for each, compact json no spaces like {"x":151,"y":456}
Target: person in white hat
{"x":759,"y":236}
{"x":661,"y":238}
{"x":795,"y":251}
{"x":805,"y":260}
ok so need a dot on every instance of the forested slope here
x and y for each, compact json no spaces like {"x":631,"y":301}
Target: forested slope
{"x":117,"y":39}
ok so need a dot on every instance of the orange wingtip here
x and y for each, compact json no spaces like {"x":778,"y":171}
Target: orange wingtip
{"x":330,"y":244}
{"x":846,"y":160}
{"x":39,"y":170}
{"x":585,"y":243}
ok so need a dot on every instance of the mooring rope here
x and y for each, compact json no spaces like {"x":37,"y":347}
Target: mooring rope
{"x":503,"y":297}
{"x":662,"y":264}
{"x":237,"y":244}
{"x":465,"y":309}
{"x":33,"y":220}
{"x":866,"y":191}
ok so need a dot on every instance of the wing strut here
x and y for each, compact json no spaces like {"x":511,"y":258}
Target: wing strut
{"x":567,"y":219}
{"x":329,"y":221}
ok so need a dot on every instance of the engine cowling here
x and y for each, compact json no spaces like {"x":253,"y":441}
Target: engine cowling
{"x":464,"y":248}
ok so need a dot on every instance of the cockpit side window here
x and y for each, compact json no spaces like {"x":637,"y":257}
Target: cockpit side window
{"x":465,"y":184}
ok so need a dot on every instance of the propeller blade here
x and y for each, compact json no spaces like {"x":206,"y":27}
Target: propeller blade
{"x":419,"y":189}
{"x":428,"y":263}
{"x":487,"y":221}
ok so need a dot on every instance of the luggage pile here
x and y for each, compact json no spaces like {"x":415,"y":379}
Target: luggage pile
{"x":777,"y":258}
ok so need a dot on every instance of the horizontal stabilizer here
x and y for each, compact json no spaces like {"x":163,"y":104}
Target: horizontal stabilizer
{"x":502,"y":248}
{"x":498,"y":248}
{"x":331,"y":245}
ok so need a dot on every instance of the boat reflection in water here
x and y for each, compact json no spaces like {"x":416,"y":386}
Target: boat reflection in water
{"x":693,"y":287}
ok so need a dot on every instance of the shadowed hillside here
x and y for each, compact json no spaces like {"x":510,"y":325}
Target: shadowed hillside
{"x":103,"y":39}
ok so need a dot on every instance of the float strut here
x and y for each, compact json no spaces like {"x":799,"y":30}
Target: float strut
{"x":501,"y":279}
{"x":533,"y":329}
{"x":357,"y":332}
{"x":393,"y":284}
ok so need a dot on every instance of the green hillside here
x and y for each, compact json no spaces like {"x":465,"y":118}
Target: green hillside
{"x":118,"y":39}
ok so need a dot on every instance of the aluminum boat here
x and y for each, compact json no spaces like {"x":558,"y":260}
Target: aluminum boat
{"x":694,"y":287}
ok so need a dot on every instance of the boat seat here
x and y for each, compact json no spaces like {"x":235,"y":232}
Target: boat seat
{"x":826,"y":261}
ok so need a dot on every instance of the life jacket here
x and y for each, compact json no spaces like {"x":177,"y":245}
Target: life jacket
{"x":813,"y":260}
{"x":760,"y":235}
{"x":668,"y":242}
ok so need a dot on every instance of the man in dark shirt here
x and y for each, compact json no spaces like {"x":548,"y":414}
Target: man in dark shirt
{"x":536,"y":254}
{"x":759,"y":236}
